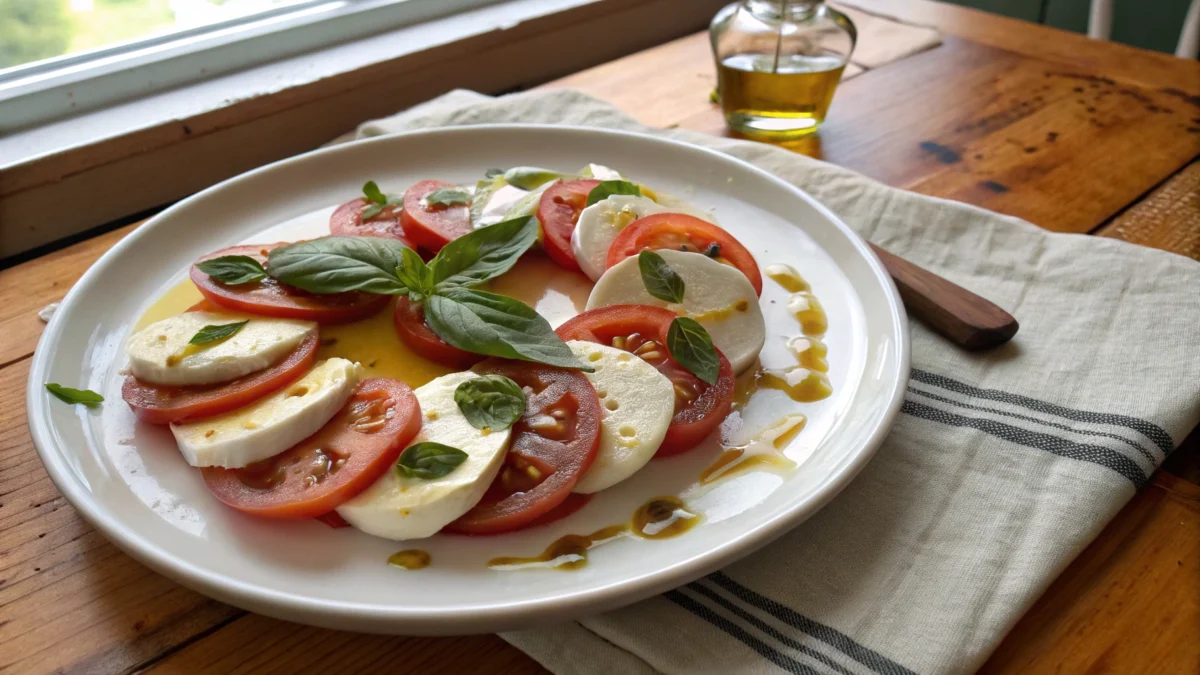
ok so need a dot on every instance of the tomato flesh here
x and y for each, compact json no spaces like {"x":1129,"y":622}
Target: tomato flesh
{"x":330,"y":467}
{"x":682,"y":232}
{"x":347,"y":221}
{"x":551,"y":447}
{"x":271,"y":298}
{"x":162,"y":405}
{"x":642,"y":330}
{"x":432,"y":226}
{"x":558,"y":212}
{"x":410,"y":323}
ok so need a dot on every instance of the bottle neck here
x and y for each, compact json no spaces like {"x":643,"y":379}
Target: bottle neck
{"x":779,"y":9}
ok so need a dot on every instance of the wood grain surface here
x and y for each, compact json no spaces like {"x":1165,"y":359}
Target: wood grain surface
{"x":71,"y":602}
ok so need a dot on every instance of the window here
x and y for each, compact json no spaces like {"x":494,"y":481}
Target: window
{"x":62,"y":57}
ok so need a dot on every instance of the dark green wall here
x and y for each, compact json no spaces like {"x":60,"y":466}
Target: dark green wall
{"x":1150,"y":24}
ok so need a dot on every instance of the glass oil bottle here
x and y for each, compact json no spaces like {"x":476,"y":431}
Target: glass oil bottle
{"x":778,"y":64}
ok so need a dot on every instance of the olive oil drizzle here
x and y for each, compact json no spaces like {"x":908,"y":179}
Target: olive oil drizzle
{"x":764,"y":451}
{"x":658,"y":518}
{"x":410,"y":559}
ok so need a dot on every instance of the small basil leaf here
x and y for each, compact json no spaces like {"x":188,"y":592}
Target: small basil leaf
{"x":372,"y":210}
{"x":415,"y":274}
{"x":483,"y":254}
{"x":429,"y":460}
{"x":492,"y":173}
{"x":233,"y":270}
{"x":339,"y":264}
{"x":691,"y":346}
{"x":490,"y":401}
{"x":68,"y":395}
{"x":216,"y":333}
{"x":607,"y":188}
{"x":497,"y":325}
{"x":373,"y":194}
{"x":660,"y":280}
{"x":529,"y":177}
{"x":448,"y":197}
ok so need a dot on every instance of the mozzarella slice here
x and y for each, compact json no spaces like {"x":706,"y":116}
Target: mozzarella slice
{"x":600,"y":223}
{"x":638,"y":403}
{"x":160,"y":354}
{"x":397,"y":507}
{"x":716,"y":295}
{"x":270,"y":425}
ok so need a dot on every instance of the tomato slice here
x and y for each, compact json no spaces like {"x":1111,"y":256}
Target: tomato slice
{"x":410,"y":323}
{"x":347,"y":221}
{"x":432,"y":226}
{"x":325,"y":470}
{"x":699,"y":407}
{"x":271,"y":298}
{"x":156,"y":404}
{"x":684,"y":233}
{"x":551,"y":448}
{"x":558,"y":212}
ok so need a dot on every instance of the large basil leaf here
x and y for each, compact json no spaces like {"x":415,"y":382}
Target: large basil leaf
{"x":659,"y":278}
{"x":692,"y":347}
{"x":339,"y":264}
{"x":483,"y":254}
{"x":497,"y":325}
{"x":490,"y":401}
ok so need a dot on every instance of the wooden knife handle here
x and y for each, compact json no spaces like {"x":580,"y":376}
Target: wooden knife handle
{"x":969,"y":320}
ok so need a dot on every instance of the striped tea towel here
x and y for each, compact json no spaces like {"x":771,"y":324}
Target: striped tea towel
{"x":1000,"y":469}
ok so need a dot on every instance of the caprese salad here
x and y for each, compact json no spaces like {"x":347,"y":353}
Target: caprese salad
{"x":527,"y":422}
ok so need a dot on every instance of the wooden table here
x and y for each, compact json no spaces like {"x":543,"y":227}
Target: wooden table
{"x":1071,"y":134}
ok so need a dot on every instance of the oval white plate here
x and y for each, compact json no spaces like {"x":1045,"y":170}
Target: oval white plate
{"x":129,"y":481}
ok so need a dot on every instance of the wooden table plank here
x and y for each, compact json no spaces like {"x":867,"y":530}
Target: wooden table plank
{"x":71,"y":602}
{"x":963,"y":121}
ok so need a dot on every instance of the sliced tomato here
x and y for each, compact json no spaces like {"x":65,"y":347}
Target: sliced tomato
{"x":558,"y":211}
{"x":414,"y":332}
{"x":347,"y":221}
{"x":550,"y":449}
{"x":271,"y":298}
{"x":570,"y":505}
{"x":699,"y":407}
{"x":325,"y":470}
{"x":682,"y":232}
{"x":432,"y":226}
{"x":162,"y":405}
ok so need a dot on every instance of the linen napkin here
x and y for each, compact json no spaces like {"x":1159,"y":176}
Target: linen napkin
{"x":1001,"y":467}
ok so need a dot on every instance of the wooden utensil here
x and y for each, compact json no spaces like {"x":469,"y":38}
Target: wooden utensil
{"x":970,"y":321}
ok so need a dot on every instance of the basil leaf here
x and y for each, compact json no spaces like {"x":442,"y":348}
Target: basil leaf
{"x":529,"y":177}
{"x":429,"y":460}
{"x":483,"y":254}
{"x":448,"y":197}
{"x":68,"y":395}
{"x":414,"y":273}
{"x":691,"y":346}
{"x":373,"y":194}
{"x":372,"y":210}
{"x":216,"y":333}
{"x":497,"y":325}
{"x":233,"y":270}
{"x":660,"y":280}
{"x":607,"y":188}
{"x":492,"y":173}
{"x":490,"y":401}
{"x":339,"y":264}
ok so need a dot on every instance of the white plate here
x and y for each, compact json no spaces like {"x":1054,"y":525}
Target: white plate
{"x":129,"y":481}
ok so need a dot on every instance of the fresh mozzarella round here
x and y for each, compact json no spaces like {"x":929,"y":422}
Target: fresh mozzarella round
{"x":270,"y":425}
{"x":716,"y":295}
{"x":638,"y":403}
{"x":600,"y":223}
{"x":160,"y":353}
{"x":398,"y":507}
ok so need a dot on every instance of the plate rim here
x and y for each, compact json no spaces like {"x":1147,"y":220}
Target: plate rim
{"x":407,"y":620}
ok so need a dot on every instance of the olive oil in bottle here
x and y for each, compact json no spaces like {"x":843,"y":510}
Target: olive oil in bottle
{"x":778,"y":64}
